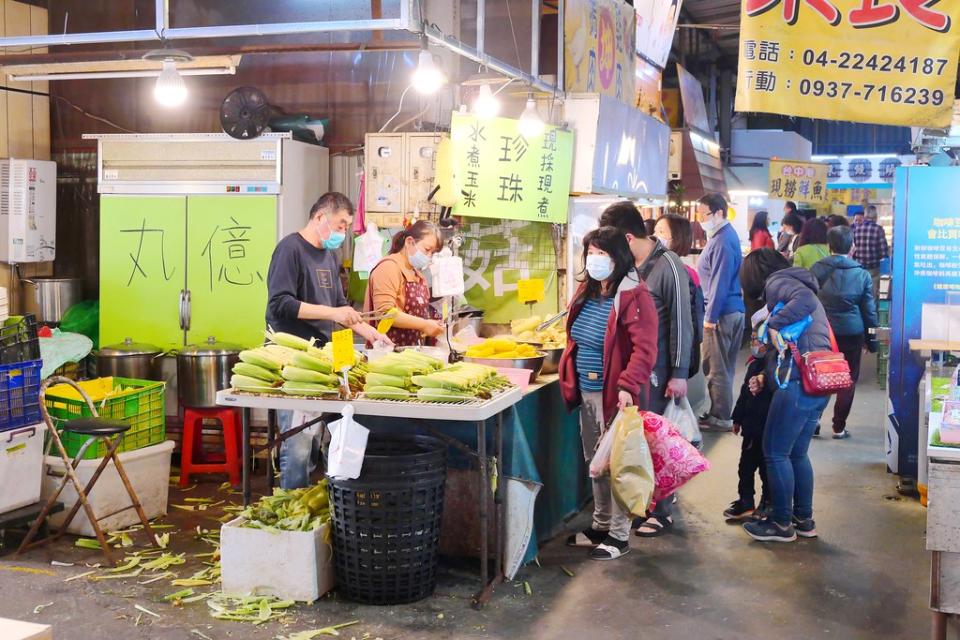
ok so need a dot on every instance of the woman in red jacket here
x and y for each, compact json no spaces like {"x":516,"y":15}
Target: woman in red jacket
{"x":610,"y":355}
{"x":760,"y":237}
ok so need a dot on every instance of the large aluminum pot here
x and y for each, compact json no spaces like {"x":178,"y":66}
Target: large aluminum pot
{"x":204,"y":369}
{"x":130,"y":359}
{"x":49,"y":298}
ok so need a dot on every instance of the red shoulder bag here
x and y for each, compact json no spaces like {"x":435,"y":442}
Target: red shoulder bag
{"x":823,"y":373}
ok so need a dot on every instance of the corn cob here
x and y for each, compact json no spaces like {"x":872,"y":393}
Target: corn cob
{"x":377,"y":392}
{"x":296,"y":374}
{"x":260,"y":358}
{"x":283,"y":354}
{"x":443,"y":395}
{"x":421,"y":358}
{"x":253,"y":371}
{"x":384,"y":380}
{"x":473,"y":368}
{"x":289,"y":340}
{"x":307,"y":389}
{"x":436,"y":381}
{"x":246,"y":383}
{"x":306,"y":361}
{"x":394,"y":367}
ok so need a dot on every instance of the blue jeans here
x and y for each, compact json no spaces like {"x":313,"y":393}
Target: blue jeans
{"x":792,"y":419}
{"x":295,"y":454}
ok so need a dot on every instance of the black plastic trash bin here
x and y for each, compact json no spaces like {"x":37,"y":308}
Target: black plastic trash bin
{"x":386,"y":523}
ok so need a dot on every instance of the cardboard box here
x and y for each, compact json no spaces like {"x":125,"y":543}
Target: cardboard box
{"x":16,"y":630}
{"x":292,"y":565}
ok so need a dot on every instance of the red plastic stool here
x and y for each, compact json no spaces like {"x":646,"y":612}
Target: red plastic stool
{"x":194,"y":460}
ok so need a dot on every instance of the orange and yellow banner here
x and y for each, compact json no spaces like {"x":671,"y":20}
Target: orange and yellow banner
{"x":880,"y":61}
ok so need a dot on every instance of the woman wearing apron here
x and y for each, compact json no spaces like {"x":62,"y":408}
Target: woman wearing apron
{"x":396,"y":281}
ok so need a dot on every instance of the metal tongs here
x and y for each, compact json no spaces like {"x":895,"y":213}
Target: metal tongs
{"x":375,"y":316}
{"x":551,"y":320}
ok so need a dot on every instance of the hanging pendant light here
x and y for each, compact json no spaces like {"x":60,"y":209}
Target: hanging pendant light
{"x":531,"y":124}
{"x":170,"y":90}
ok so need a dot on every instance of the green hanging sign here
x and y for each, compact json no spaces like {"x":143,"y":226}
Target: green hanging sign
{"x":505,"y":175}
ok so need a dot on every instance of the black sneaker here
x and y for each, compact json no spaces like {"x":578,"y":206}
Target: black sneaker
{"x":587,"y":538}
{"x":738,"y":510}
{"x":610,"y":549}
{"x":806,"y":528}
{"x":767,"y":530}
{"x":763,"y":511}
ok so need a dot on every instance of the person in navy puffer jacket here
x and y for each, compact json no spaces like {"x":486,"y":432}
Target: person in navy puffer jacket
{"x":846,"y":292}
{"x":793,"y":415}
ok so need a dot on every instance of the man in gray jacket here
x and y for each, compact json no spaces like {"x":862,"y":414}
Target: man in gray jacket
{"x":669,"y":285}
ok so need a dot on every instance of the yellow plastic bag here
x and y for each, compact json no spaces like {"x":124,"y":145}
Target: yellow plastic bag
{"x":631,"y":467}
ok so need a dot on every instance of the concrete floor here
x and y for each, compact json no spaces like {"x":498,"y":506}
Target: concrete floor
{"x":866,"y":577}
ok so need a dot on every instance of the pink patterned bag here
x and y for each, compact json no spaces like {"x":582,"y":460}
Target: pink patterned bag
{"x":675,"y":460}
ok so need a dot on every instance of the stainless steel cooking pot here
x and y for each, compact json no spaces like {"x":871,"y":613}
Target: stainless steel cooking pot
{"x":130,"y":359}
{"x":49,"y":298}
{"x":204,"y":369}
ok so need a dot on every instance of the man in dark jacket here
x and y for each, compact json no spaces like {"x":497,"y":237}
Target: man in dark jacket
{"x":719,"y":269}
{"x":846,"y":292}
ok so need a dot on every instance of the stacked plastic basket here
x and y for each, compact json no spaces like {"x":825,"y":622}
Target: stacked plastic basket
{"x":21,"y":435}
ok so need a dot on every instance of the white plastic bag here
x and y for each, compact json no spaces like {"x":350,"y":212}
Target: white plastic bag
{"x":348,"y":444}
{"x":367,"y":250}
{"x":600,"y":463}
{"x":313,"y":432}
{"x":680,"y":414}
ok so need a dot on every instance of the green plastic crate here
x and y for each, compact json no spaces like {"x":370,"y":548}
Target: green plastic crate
{"x":143,"y":410}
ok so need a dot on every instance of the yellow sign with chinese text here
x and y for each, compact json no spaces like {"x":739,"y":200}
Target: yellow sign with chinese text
{"x":600,"y":52}
{"x":530,"y":290}
{"x":504,"y":174}
{"x":880,"y":61}
{"x":343,"y":354}
{"x":800,"y":181}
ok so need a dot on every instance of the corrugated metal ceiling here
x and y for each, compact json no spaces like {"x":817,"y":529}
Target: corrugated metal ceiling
{"x":722,"y":14}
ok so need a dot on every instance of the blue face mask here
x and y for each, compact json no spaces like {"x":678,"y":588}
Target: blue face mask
{"x":335,"y":239}
{"x":419,"y":261}
{"x":599,"y":267}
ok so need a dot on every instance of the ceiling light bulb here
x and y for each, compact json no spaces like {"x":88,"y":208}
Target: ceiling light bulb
{"x":170,"y":91}
{"x":428,"y":77}
{"x":486,"y":105}
{"x":531,"y":124}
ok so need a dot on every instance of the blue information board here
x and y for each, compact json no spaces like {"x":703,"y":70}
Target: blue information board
{"x":926,"y":267}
